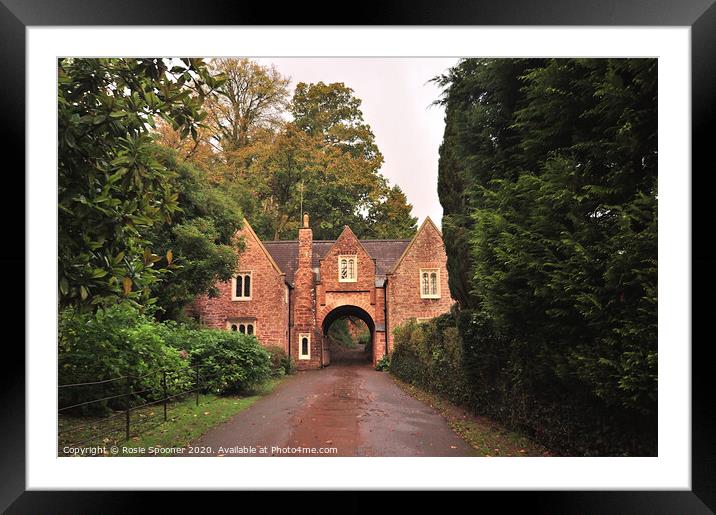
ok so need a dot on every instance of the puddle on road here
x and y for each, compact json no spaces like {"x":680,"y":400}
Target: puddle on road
{"x":334,"y":414}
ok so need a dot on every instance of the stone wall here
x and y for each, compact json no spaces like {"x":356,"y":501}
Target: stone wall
{"x":427,"y":250}
{"x":268,"y":305}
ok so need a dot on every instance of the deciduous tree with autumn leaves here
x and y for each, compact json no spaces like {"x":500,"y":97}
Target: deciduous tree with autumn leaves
{"x":160,"y":159}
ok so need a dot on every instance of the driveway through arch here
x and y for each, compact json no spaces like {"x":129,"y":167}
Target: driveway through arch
{"x":356,"y":308}
{"x":336,"y":313}
{"x":348,"y":409}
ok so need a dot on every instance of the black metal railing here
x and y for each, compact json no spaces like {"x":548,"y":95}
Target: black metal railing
{"x":121,"y":403}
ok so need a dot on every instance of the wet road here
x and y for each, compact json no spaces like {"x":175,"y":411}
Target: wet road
{"x":347,"y":407}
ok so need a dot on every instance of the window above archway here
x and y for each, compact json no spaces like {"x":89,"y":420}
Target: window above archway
{"x":347,"y":269}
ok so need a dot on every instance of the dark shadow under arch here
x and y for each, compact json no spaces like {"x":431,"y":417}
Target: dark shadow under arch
{"x":356,"y":312}
{"x":346,"y":311}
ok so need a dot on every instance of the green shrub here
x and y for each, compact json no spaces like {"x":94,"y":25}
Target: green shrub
{"x":289,"y":365}
{"x":121,"y":341}
{"x":281,"y":363}
{"x":383,"y":363}
{"x":228,"y":361}
{"x":114,"y":342}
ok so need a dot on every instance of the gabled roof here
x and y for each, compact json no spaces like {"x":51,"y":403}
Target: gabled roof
{"x":348,"y":233}
{"x":385,"y":253}
{"x":247,"y":225}
{"x":427,"y":222}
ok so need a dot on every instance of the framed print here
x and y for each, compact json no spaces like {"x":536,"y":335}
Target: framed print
{"x":427,"y":248}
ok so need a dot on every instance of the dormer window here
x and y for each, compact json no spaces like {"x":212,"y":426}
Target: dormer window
{"x":241,"y":286}
{"x":430,"y":283}
{"x":347,"y":269}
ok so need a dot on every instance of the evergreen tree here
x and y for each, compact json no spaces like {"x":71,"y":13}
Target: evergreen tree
{"x":548,"y":180}
{"x":111,"y":187}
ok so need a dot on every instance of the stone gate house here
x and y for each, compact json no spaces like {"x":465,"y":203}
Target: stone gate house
{"x":288,"y":293}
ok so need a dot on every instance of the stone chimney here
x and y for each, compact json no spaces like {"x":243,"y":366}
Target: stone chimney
{"x":305,"y":244}
{"x":304,"y":305}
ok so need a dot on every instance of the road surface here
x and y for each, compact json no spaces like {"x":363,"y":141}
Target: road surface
{"x":342,"y":410}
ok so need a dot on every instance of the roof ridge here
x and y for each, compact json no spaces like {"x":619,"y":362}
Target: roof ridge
{"x":386,"y":239}
{"x":296,"y":241}
{"x":333,"y":241}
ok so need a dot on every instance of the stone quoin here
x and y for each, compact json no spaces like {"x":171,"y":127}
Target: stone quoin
{"x":288,"y":293}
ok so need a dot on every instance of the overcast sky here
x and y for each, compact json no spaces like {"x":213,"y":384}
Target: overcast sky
{"x":396,"y":102}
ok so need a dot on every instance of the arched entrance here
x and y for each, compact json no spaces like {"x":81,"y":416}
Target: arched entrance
{"x":347,"y":312}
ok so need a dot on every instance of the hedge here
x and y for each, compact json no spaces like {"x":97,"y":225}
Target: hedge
{"x":429,"y":354}
{"x":461,"y":358}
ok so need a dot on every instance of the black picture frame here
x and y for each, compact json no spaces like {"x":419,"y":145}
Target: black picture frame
{"x":700,"y":15}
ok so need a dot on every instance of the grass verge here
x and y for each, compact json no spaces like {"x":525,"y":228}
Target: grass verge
{"x":185,"y":423}
{"x":487,"y":437}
